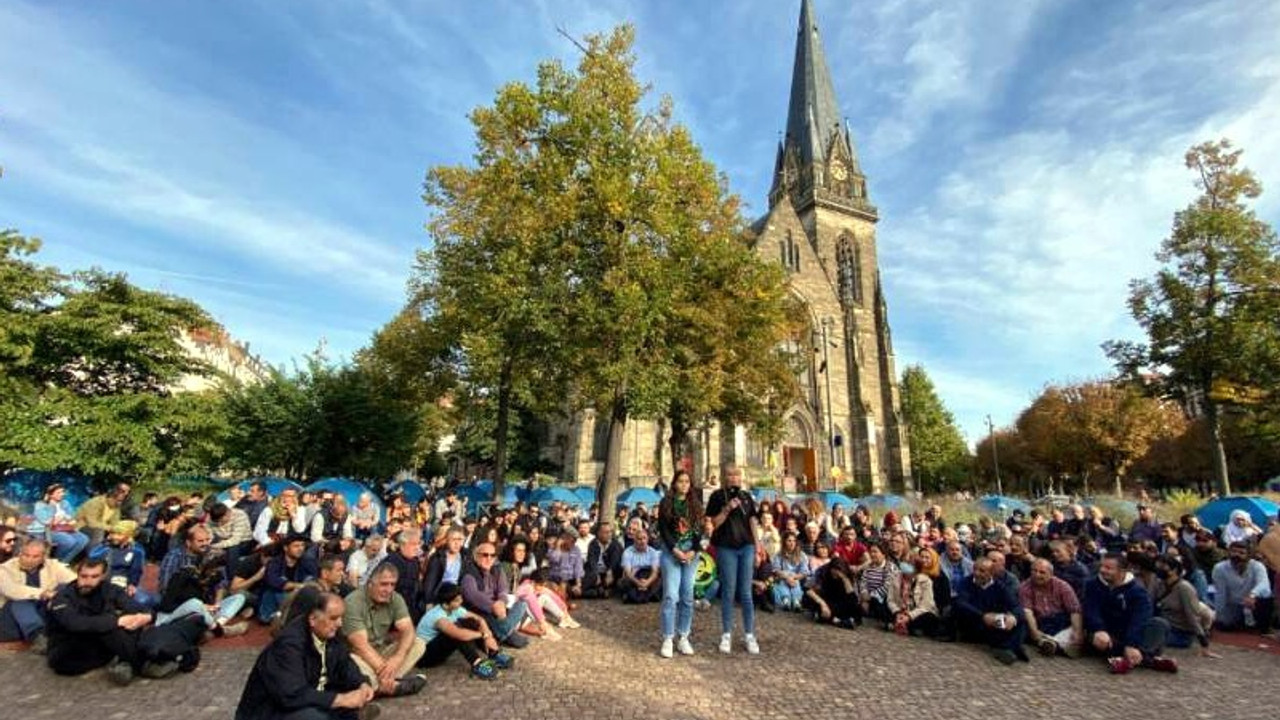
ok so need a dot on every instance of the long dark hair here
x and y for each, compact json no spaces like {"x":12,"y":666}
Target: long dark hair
{"x":692,"y":499}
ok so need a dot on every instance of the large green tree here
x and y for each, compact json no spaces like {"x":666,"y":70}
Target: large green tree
{"x":87,"y":366}
{"x":323,"y":419}
{"x":1209,"y":313}
{"x":939,"y":457}
{"x":593,"y":257}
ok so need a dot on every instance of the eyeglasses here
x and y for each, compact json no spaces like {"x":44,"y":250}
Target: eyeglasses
{"x":488,"y":555}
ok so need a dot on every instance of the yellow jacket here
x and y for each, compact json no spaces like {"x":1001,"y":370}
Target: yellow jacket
{"x":98,"y":514}
{"x":13,"y":582}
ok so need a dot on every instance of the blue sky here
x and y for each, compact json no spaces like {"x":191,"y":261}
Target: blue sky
{"x":266,"y":159}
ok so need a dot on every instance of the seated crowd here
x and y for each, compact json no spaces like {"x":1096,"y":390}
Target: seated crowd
{"x":360,"y":605}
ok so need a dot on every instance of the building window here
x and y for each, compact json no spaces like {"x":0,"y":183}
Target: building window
{"x":790,"y":253}
{"x":600,"y":439}
{"x":849,"y":267}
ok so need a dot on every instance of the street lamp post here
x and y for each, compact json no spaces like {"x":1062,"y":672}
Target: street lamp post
{"x":995,"y":455}
{"x":831,"y":434}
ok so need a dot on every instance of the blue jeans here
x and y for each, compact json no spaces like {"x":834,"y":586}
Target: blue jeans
{"x":20,"y":619}
{"x":227,"y":609}
{"x":736,"y":567}
{"x":785,"y":596}
{"x":677,"y":595}
{"x":68,"y":545}
{"x":503,"y":629}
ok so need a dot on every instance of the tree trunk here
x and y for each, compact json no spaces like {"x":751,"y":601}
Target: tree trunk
{"x":500,"y":441}
{"x":608,"y":495}
{"x":679,"y":433}
{"x":1119,"y":485}
{"x":1219,"y":451}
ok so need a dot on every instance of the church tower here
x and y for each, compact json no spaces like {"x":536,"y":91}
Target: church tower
{"x":822,"y":226}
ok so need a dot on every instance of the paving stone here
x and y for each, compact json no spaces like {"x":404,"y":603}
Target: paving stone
{"x":610,"y":669}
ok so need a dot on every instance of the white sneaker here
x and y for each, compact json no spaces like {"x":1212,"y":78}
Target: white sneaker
{"x":684,"y":646}
{"x":726,"y":643}
{"x":753,"y":647}
{"x":666,"y":650}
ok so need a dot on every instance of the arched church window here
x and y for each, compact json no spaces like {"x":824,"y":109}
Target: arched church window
{"x":849,"y":270}
{"x":790,"y":253}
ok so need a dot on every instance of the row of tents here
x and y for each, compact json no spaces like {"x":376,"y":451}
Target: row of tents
{"x":24,"y":488}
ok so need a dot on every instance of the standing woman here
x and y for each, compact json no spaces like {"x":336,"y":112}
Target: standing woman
{"x":733,"y":513}
{"x":679,"y":520}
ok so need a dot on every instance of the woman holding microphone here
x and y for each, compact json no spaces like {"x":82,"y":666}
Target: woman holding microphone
{"x":733,"y":513}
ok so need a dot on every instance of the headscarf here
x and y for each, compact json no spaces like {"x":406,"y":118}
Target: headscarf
{"x":1233,"y":532}
{"x":125,"y":528}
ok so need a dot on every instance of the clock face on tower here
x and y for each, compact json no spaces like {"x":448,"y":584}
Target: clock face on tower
{"x":838,"y":172}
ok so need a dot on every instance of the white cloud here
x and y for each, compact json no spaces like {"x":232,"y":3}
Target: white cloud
{"x":1024,"y":249}
{"x":114,"y":141}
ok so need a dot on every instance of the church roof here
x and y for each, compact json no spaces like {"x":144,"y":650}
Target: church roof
{"x":813,"y":116}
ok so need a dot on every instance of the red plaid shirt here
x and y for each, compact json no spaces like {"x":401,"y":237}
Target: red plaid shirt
{"x":1052,"y":599}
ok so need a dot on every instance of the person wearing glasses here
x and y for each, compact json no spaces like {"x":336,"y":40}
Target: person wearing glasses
{"x":484,"y":593}
{"x":8,"y":543}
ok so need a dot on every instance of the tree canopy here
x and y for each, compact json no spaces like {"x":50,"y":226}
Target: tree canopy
{"x":1209,"y":312}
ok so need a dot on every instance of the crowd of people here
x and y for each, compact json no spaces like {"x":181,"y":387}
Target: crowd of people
{"x":361,"y":604}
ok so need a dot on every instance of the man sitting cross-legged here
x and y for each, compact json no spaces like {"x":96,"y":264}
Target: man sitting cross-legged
{"x":1052,"y":611}
{"x":987,"y":612}
{"x":484,"y":592}
{"x":602,"y":566}
{"x":1243,"y":598}
{"x":378,"y":627}
{"x":448,"y":626}
{"x":193,"y":581}
{"x":1118,"y":620}
{"x":285,"y":573}
{"x":92,"y":622}
{"x":641,"y":567}
{"x":27,"y":583}
{"x":307,"y":673}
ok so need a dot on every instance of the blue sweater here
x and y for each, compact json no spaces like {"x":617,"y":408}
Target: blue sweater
{"x":997,"y":597}
{"x":1121,"y":611}
{"x":126,"y":562}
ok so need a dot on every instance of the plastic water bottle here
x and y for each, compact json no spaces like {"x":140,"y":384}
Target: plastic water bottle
{"x":1248,"y":618}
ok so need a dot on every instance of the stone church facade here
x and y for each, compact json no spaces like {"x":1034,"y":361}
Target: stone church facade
{"x":821,"y":226}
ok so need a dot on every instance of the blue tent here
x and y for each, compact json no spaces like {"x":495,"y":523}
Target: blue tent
{"x":26,"y":487}
{"x":412,"y":491}
{"x":275,"y":486}
{"x":481,"y":494}
{"x":883,"y":502}
{"x":1215,"y":513}
{"x":761,"y":494}
{"x":586,"y":495}
{"x":350,"y":490}
{"x":630,"y":498}
{"x":831,"y":498}
{"x":1002,"y":504}
{"x":543,"y":497}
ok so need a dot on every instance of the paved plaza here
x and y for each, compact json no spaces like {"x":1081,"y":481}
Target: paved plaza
{"x":610,"y":670}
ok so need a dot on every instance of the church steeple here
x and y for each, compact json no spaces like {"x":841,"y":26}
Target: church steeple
{"x":816,"y":160}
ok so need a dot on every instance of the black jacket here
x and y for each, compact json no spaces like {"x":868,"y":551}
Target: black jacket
{"x":286,"y":674}
{"x":601,"y":560}
{"x":71,"y":613}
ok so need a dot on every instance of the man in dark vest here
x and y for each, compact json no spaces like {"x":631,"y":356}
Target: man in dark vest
{"x":307,"y":673}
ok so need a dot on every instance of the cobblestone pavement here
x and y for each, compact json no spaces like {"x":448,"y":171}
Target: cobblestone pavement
{"x":610,"y":669}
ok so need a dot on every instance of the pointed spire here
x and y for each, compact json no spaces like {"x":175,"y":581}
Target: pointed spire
{"x":813,"y":116}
